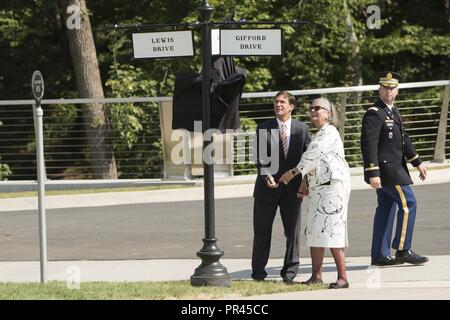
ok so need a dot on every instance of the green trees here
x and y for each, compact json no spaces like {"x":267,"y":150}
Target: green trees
{"x":414,"y":39}
{"x":335,"y":49}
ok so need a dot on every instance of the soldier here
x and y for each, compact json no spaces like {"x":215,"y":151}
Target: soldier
{"x":386,"y":148}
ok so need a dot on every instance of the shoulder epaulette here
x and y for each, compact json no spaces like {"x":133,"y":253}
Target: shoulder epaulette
{"x":373,"y":108}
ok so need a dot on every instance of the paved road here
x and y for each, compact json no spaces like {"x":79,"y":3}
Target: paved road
{"x":174,"y":230}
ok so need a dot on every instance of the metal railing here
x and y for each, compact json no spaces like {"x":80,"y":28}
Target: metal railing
{"x":423,"y":105}
{"x":138,"y":148}
{"x":68,"y":155}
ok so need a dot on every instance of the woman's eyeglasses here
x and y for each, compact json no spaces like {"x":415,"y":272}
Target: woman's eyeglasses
{"x":315,"y":108}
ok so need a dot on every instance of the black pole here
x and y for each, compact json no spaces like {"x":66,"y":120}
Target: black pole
{"x":210,"y":272}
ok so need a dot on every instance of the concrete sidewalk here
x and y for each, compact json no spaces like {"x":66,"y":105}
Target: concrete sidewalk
{"x":430,"y":281}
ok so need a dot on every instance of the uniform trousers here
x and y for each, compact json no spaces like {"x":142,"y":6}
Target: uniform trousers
{"x":391,"y":198}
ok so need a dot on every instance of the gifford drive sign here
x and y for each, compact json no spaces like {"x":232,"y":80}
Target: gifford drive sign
{"x":251,"y":42}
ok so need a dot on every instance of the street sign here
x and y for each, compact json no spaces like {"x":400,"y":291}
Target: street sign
{"x":37,"y":85}
{"x":251,"y":42}
{"x":163,"y":44}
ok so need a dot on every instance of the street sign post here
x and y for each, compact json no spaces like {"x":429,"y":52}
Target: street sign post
{"x":210,"y":271}
{"x":37,"y":87}
{"x":257,"y":42}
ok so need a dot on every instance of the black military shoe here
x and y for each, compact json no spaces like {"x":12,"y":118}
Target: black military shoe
{"x":384,"y":261}
{"x":409,"y":256}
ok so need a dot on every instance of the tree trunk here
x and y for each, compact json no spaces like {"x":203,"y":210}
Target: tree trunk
{"x":89,"y":85}
{"x":354,"y":67}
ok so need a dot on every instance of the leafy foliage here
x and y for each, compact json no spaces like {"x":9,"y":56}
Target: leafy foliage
{"x":134,"y":125}
{"x":414,"y":39}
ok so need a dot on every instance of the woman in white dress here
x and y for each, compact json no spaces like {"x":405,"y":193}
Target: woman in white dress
{"x":326,"y":183}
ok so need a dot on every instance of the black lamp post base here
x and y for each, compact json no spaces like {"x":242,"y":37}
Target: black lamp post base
{"x":211,"y":272}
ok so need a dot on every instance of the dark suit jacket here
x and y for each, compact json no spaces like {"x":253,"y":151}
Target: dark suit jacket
{"x":299,"y":141}
{"x":386,"y":147}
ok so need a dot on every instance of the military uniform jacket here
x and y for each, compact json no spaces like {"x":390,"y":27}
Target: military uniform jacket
{"x":386,"y":147}
{"x":268,"y":133}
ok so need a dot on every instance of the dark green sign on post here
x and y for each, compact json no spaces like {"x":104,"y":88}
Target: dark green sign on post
{"x":37,"y":85}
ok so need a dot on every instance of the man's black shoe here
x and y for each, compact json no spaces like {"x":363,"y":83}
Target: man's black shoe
{"x":384,"y":261}
{"x":288,"y":281}
{"x":408,"y":256}
{"x":258,"y":276}
{"x":258,"y":279}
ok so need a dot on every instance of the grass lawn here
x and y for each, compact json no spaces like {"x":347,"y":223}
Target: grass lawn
{"x":167,"y":290}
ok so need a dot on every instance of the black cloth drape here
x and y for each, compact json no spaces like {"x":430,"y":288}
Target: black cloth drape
{"x":225,"y":92}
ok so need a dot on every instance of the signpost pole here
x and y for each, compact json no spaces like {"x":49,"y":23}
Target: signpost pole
{"x":37,"y":84}
{"x":211,"y":271}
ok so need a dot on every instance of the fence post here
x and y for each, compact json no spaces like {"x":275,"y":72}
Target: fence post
{"x":37,"y":87}
{"x":41,"y":188}
{"x":341,"y":109}
{"x":439,"y":150}
{"x":161,"y":128}
{"x":170,"y":169}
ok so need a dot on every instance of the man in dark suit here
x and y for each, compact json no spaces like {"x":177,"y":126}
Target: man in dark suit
{"x":281,"y":142}
{"x":386,"y":147}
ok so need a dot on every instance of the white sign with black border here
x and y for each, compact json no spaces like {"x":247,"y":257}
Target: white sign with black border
{"x":37,"y":85}
{"x":163,"y":44}
{"x":251,"y":42}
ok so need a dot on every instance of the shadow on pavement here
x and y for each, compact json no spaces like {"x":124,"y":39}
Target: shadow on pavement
{"x":274,"y":272}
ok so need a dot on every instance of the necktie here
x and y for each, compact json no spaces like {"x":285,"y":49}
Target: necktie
{"x":284,"y":139}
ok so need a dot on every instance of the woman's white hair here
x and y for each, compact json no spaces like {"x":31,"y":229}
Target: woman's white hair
{"x":330,"y":107}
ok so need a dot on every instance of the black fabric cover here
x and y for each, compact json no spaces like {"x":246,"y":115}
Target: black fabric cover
{"x":226,"y":90}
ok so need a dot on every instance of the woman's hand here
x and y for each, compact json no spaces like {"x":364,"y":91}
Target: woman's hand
{"x":287,"y":177}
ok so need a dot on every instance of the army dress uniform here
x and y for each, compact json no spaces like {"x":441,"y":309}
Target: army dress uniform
{"x":386,"y":148}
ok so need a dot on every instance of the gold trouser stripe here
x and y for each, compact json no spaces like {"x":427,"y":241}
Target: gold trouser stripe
{"x":405,"y":216}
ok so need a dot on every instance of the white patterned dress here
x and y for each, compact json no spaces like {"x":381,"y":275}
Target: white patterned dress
{"x":329,"y":190}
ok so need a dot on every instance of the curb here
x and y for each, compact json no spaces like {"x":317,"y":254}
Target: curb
{"x":55,"y":185}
